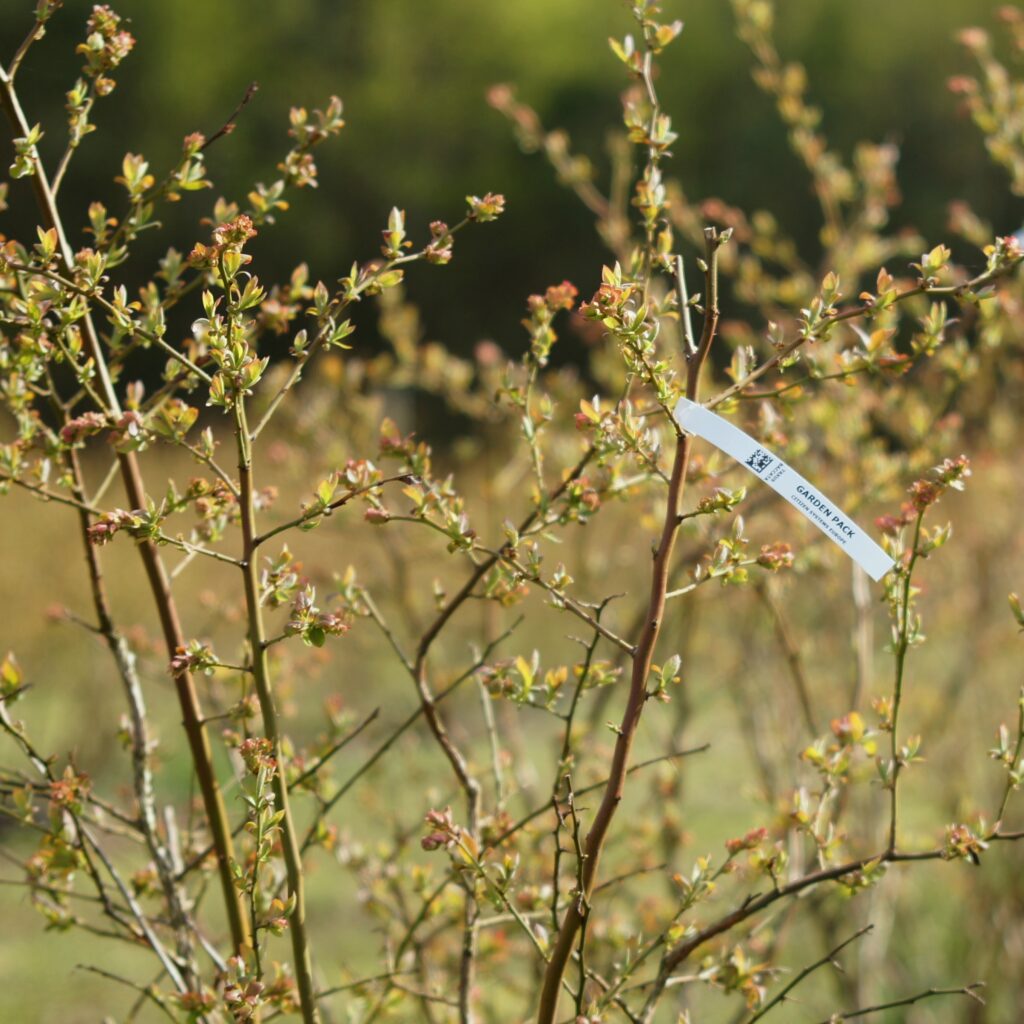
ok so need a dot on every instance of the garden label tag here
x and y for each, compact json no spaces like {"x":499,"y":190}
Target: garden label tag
{"x":800,"y":493}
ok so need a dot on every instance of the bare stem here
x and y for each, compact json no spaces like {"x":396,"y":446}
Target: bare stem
{"x":793,"y":658}
{"x":1014,"y":761}
{"x":264,"y":691}
{"x":318,"y":513}
{"x":971,"y":991}
{"x":902,"y":646}
{"x":780,"y":996}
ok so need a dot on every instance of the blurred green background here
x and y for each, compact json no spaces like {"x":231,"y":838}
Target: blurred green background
{"x":413,"y":76}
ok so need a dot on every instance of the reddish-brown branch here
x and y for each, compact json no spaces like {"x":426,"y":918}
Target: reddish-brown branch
{"x":192,"y":717}
{"x":955,"y":291}
{"x":755,"y":904}
{"x":641,"y":666}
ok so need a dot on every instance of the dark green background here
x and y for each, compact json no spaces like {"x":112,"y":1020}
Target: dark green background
{"x":413,"y":74}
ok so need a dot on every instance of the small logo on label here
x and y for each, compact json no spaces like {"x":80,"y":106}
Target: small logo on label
{"x":759,"y":461}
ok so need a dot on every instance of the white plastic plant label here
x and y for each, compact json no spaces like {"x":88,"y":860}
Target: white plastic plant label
{"x":800,"y":493}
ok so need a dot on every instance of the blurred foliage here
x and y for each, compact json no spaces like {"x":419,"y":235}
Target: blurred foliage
{"x":420,"y":134}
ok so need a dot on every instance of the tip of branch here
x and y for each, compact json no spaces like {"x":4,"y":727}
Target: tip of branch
{"x":716,"y":238}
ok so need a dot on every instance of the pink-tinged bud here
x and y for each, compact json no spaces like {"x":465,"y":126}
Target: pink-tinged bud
{"x":180,"y":662}
{"x":750,"y":841}
{"x":234,"y":233}
{"x":444,"y":832}
{"x":100,"y":533}
{"x":377,"y":516}
{"x":257,"y":753}
{"x":489,"y":354}
{"x":924,"y":493}
{"x":561,"y":296}
{"x":56,"y":613}
{"x":973,"y":38}
{"x":441,"y":819}
{"x":392,"y":443}
{"x":775,"y":556}
{"x":490,"y":207}
{"x":961,"y":842}
{"x":1011,"y":243}
{"x":332,"y":624}
{"x":890,"y":525}
{"x":500,"y":96}
{"x":849,"y":729}
{"x":82,"y":426}
{"x":435,"y":841}
{"x":128,"y":427}
{"x":962,"y":85}
{"x":952,"y":472}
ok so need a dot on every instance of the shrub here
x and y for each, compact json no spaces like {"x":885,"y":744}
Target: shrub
{"x":504,"y":897}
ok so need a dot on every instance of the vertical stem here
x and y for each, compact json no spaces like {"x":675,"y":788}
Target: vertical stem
{"x":268,"y":710}
{"x":467,"y":965}
{"x":902,"y":646}
{"x":471,"y":788}
{"x":1014,"y":762}
{"x":793,"y":659}
{"x":124,"y":659}
{"x":192,"y":716}
{"x":467,"y":782}
{"x":684,"y":307}
{"x":642,"y":658}
{"x":863,"y":636}
{"x":199,"y":745}
{"x":259,"y":811}
{"x":495,"y":744}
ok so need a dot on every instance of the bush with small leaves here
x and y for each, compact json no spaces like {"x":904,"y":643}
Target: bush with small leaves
{"x":869,"y":365}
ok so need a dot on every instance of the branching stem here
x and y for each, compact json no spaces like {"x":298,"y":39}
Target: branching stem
{"x":641,"y":662}
{"x":199,"y":744}
{"x":264,"y":691}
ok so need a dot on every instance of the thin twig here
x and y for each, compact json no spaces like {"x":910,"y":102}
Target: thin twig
{"x":333,"y":749}
{"x":229,"y":125}
{"x":146,"y":992}
{"x":828,"y":958}
{"x":971,"y":991}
